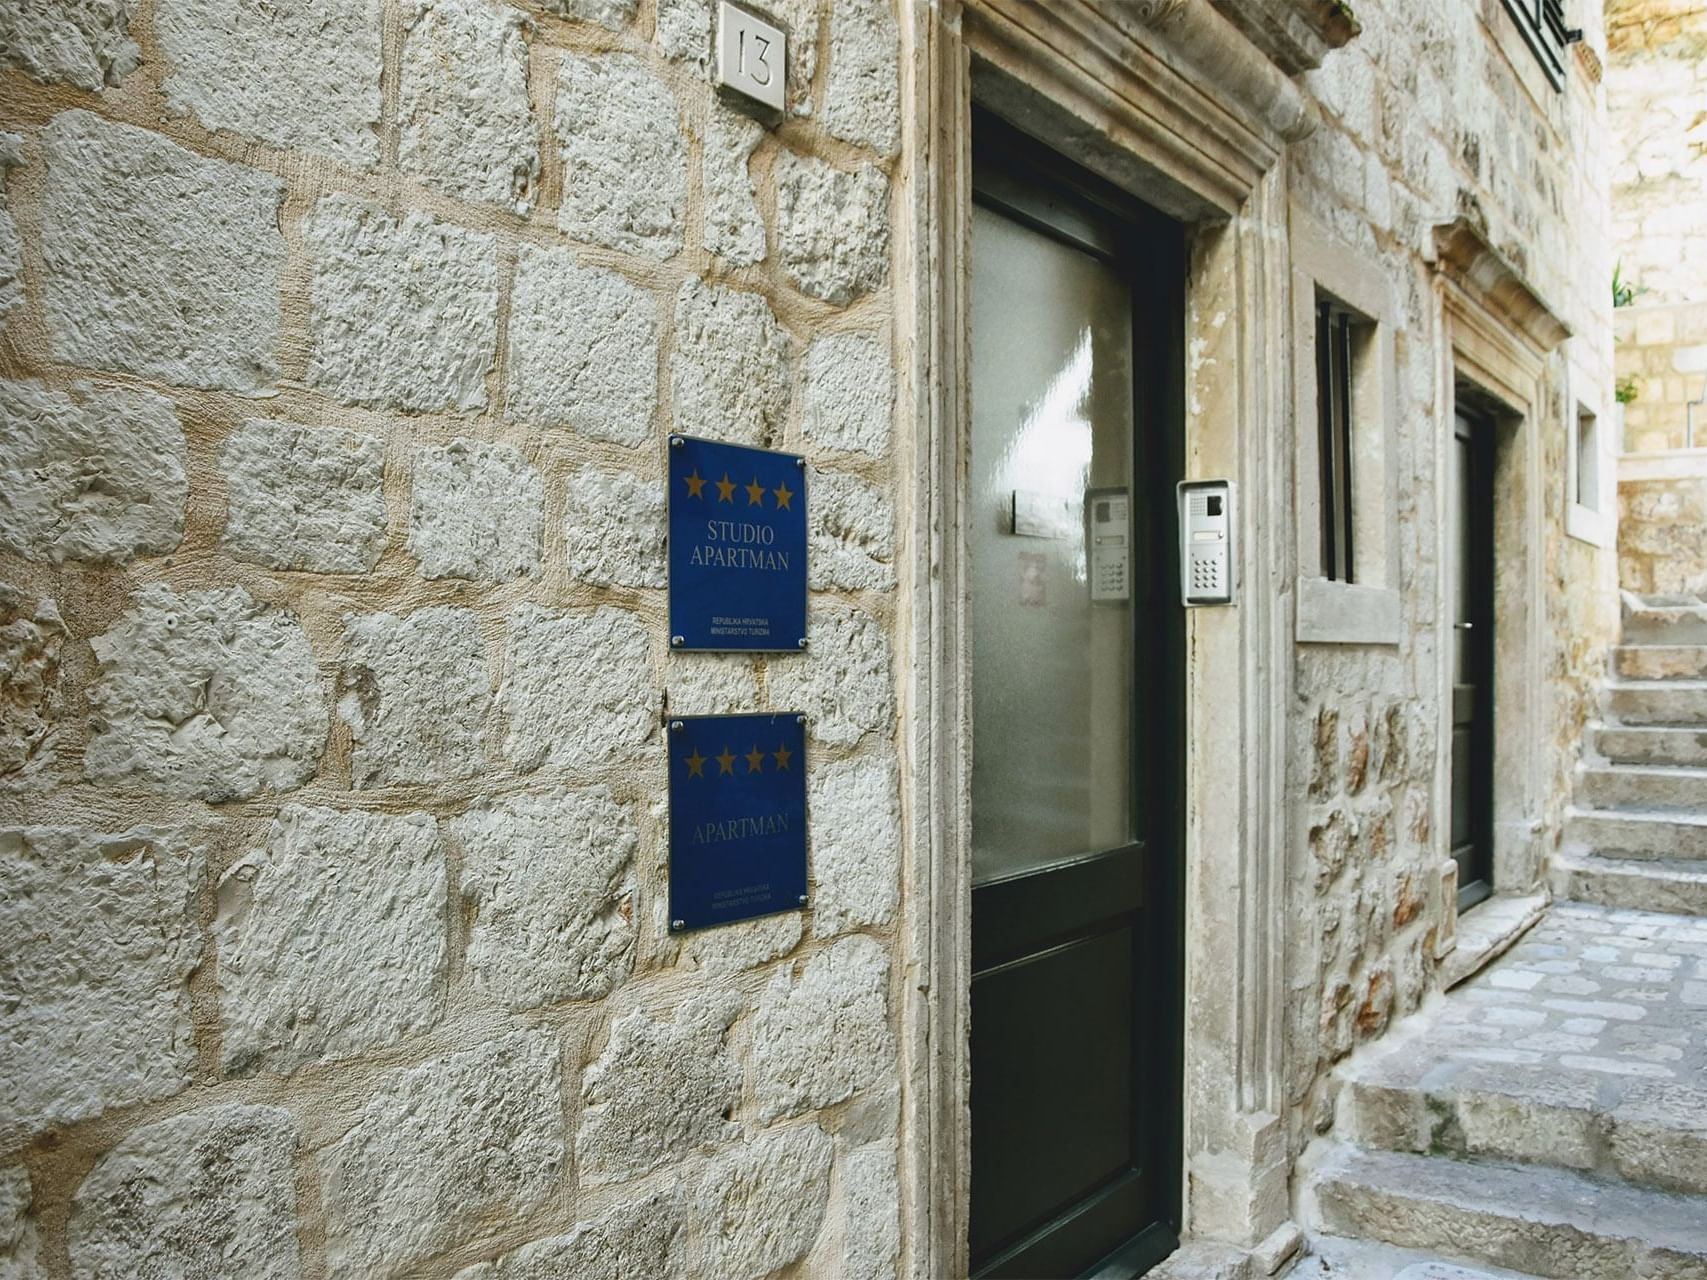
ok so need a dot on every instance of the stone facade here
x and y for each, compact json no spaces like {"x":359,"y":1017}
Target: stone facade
{"x":334,"y":398}
{"x":1656,"y":81}
{"x":341,"y":343}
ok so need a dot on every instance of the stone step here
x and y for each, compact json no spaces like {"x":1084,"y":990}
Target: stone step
{"x":1547,"y":1222}
{"x":1671,"y":790}
{"x":1678,"y":834}
{"x":1660,"y":661}
{"x":1664,"y":620}
{"x":1652,"y":745}
{"x":1639,"y":1130}
{"x":1676,"y":888}
{"x":1334,"y":1258}
{"x":1671,"y":702}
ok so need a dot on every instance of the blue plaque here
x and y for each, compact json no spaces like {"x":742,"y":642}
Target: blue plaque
{"x":737,"y":818}
{"x":737,"y":547}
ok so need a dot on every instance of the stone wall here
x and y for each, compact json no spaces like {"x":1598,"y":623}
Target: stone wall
{"x":1656,"y":81}
{"x":1436,"y":112}
{"x":1662,"y":360}
{"x":1662,"y":525}
{"x":340,"y":346}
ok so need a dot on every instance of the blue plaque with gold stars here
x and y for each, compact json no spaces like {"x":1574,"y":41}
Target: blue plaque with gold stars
{"x":737,"y":547}
{"x":737,"y":818}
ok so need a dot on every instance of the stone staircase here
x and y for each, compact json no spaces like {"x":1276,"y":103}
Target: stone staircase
{"x":1638,"y":835}
{"x":1550,"y":1115}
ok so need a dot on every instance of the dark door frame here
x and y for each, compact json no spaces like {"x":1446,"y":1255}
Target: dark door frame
{"x":1477,"y":431}
{"x":1026,"y":181}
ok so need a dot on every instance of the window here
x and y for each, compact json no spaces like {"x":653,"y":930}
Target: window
{"x":1588,"y":517}
{"x":1543,"y":25}
{"x":1334,"y":409}
{"x":1586,"y":490}
{"x":1344,"y":314}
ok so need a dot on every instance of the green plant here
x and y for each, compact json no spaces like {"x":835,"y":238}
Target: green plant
{"x":1626,"y":389}
{"x":1623,"y":292}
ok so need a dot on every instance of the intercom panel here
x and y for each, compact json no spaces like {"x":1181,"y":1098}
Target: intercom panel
{"x":1206,"y":541}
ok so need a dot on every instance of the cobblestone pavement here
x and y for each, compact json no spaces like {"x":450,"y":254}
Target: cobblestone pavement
{"x":1620,"y":995}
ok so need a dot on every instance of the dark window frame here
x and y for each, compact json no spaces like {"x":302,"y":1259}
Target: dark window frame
{"x":1336,"y":400}
{"x":1542,"y":23}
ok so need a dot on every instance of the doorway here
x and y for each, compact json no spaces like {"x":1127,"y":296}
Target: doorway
{"x":1473,"y":655}
{"x":1077,"y":305}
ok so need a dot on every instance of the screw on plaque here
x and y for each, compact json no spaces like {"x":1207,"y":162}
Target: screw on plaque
{"x":676,"y":726}
{"x":676,"y":442}
{"x":676,"y":642}
{"x":799,"y":719}
{"x":678,"y":925}
{"x":803,"y":899}
{"x":801,"y":463}
{"x":803,"y":642}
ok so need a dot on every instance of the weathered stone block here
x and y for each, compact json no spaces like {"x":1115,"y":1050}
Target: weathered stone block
{"x":615,"y":14}
{"x":583,"y":349}
{"x":853,"y":534}
{"x":844,"y":686}
{"x":711,"y":683}
{"x":862,"y":99}
{"x":294,"y":73}
{"x":31,"y":636}
{"x":331,"y":938}
{"x":760,"y":1207}
{"x":94,"y":475}
{"x":477,"y":511}
{"x":205,"y":694}
{"x":849,"y":394}
{"x":624,"y":155}
{"x":11,"y":245}
{"x":577,"y":687}
{"x":211,"y":1193}
{"x":635,"y":1238}
{"x":405,"y":311}
{"x":729,"y":373}
{"x":659,"y":1091}
{"x":101,"y":937}
{"x":735,"y":947}
{"x":304,"y":497}
{"x":415,"y":692}
{"x":465,"y":125}
{"x":444,"y":1150}
{"x":832,"y":228}
{"x":614,"y":529}
{"x":80,"y":42}
{"x":871,"y":1191}
{"x":734,"y":228}
{"x":20,"y":1242}
{"x":157,"y":261}
{"x":549,"y":879}
{"x":683,"y":31}
{"x":822,"y":1038}
{"x":856,"y":843}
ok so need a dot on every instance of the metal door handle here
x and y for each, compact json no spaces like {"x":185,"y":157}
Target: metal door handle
{"x":1463,"y":626}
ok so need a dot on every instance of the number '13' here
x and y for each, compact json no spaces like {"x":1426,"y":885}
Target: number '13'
{"x":748,"y":40}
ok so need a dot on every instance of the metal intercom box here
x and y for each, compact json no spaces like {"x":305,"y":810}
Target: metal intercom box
{"x":1206,"y":542}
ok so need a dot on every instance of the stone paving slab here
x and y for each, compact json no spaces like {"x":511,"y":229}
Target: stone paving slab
{"x":1585,"y":1047}
{"x":1333,"y":1258}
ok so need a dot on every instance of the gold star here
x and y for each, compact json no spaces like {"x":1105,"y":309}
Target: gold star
{"x":783,"y":494}
{"x":696,"y":483}
{"x":726,"y":761}
{"x":726,"y":489}
{"x":755,"y":760}
{"x":755,"y":493}
{"x":696,"y":764}
{"x":783,"y":756}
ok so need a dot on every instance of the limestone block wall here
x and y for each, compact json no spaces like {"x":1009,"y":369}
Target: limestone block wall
{"x":1662,"y":359}
{"x":1662,"y":525}
{"x":1435,"y":112}
{"x":340,"y":345}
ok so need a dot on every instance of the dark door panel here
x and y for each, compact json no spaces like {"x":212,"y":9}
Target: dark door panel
{"x":1077,"y":408}
{"x":1473,"y":658}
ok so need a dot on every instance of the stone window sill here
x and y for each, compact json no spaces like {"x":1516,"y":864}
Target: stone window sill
{"x":1346,"y":613}
{"x":1588,"y":525}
